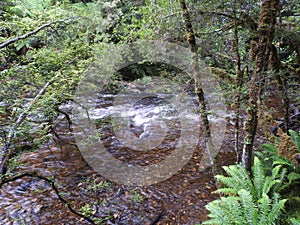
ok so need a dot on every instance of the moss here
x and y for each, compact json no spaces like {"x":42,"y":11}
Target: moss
{"x":286,"y":147}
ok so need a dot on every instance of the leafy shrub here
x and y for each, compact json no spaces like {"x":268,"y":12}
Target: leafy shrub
{"x":260,"y":197}
{"x":284,"y":154}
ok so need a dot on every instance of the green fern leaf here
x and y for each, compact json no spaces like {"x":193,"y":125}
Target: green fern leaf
{"x":283,"y":161}
{"x":227,"y":191}
{"x":250,"y":211}
{"x":239,"y":178}
{"x":269,"y":148}
{"x":293,"y":176}
{"x":279,"y":186}
{"x":226,"y":211}
{"x":230,"y":183}
{"x":271,"y":181}
{"x":264,"y":207}
{"x":296,"y":138}
{"x":277,"y":206}
{"x":259,"y":178}
{"x":295,"y":221}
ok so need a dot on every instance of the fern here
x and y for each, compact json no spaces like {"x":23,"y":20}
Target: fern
{"x":284,"y":162}
{"x":226,"y":211}
{"x":259,"y":178}
{"x":238,"y":178}
{"x":281,"y":184}
{"x":272,"y":181}
{"x":245,"y":210}
{"x":296,"y":138}
{"x":270,"y":209}
{"x":251,"y":200}
{"x":295,"y":221}
{"x":276,"y":207}
{"x":249,"y":208}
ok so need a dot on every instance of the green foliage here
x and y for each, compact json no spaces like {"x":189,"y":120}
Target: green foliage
{"x":270,"y":158}
{"x":27,"y":66}
{"x":250,"y":200}
{"x":87,"y":210}
{"x":149,"y":20}
{"x":136,"y":197}
{"x":244,"y":210}
{"x":296,"y":138}
{"x":255,"y":199}
{"x":290,"y":180}
{"x":239,"y":178}
{"x":93,"y":185}
{"x":295,"y":221}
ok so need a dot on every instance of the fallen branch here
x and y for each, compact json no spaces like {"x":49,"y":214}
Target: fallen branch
{"x":51,"y":182}
{"x":13,"y":40}
{"x":6,"y":151}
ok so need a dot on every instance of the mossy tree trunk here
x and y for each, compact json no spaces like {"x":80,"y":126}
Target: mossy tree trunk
{"x":193,"y":47}
{"x":266,"y":31}
{"x":198,"y":87}
{"x":238,"y":85}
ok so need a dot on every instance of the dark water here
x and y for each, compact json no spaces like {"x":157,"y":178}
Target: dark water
{"x":177,"y":200}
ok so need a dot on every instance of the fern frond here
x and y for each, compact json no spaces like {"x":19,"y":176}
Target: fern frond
{"x":277,"y":206}
{"x":283,"y":161}
{"x":264,"y":209}
{"x":281,"y":181}
{"x":295,"y":221}
{"x":232,"y":185}
{"x":293,"y":177}
{"x":227,"y":191}
{"x":269,"y":148}
{"x":259,"y":178}
{"x":268,"y":184}
{"x":225,"y":211}
{"x":296,"y":138}
{"x":249,"y":207}
{"x":271,"y":181}
{"x":238,"y":178}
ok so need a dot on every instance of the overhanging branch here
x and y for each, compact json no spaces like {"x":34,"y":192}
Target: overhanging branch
{"x":13,"y":40}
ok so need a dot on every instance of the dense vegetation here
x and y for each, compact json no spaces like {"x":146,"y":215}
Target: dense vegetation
{"x":253,"y":47}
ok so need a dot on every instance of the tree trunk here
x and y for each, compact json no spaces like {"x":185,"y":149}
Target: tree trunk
{"x":238,"y":85}
{"x":209,"y":158}
{"x":266,"y":30}
{"x":193,"y":47}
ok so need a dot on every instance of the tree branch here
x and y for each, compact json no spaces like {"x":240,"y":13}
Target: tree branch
{"x":30,"y":33}
{"x":51,"y":182}
{"x":5,"y":149}
{"x":216,"y":13}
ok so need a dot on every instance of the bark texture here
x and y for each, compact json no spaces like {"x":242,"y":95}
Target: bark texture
{"x":266,"y":31}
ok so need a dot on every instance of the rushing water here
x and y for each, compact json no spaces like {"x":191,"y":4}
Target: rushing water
{"x":180,"y":199}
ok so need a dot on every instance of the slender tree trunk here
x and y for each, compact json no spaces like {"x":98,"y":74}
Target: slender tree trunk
{"x":193,"y":47}
{"x":198,"y":88}
{"x":238,"y":84}
{"x":266,"y":30}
